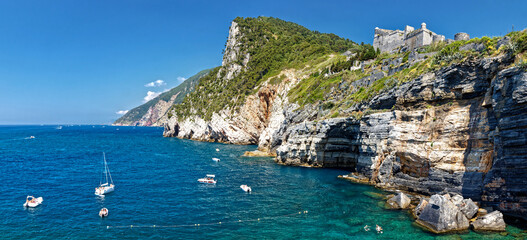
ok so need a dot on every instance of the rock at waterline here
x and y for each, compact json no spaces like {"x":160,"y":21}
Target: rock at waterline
{"x":422,"y":204}
{"x":442,"y":215}
{"x":490,"y":222}
{"x":258,"y":153}
{"x":468,"y":207}
{"x":400,"y":201}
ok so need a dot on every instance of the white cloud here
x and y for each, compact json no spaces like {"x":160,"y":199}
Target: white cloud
{"x":151,"y":95}
{"x":181,"y":79}
{"x":156,"y":83}
{"x":121,"y":112}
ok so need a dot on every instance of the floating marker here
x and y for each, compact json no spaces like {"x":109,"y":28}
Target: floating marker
{"x":207,"y":224}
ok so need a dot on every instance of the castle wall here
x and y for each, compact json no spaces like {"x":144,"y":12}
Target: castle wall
{"x":387,"y":41}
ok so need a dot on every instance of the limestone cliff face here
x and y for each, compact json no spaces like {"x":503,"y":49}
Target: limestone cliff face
{"x":257,"y":121}
{"x":234,"y":59}
{"x":156,"y":114}
{"x":462,"y":129}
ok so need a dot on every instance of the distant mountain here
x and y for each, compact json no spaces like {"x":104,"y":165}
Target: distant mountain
{"x":153,"y":112}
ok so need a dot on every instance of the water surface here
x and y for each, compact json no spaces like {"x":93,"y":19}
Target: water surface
{"x":156,"y":184}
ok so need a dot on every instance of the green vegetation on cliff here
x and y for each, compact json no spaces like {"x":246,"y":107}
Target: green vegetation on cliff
{"x":339,"y":80}
{"x":181,"y":91}
{"x":272,"y":45}
{"x":266,"y":46}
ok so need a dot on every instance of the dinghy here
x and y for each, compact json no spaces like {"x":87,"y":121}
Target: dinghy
{"x":103,"y":212}
{"x":32,"y":201}
{"x":208,"y":179}
{"x":215,"y":159}
{"x":107,"y":187}
{"x":246,"y":188}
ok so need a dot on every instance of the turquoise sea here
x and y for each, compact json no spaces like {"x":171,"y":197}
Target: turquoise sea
{"x":156,"y":184}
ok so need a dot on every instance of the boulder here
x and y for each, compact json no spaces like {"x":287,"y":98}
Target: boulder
{"x":468,"y":207}
{"x":490,"y":222}
{"x":422,"y":204}
{"x":400,"y":201}
{"x":442,"y":215}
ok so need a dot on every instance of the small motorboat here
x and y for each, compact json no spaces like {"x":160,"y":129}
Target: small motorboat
{"x":215,"y":159}
{"x":103,"y":212}
{"x":217,"y":149}
{"x":208,"y":179}
{"x":32,"y":201}
{"x":32,"y":137}
{"x":246,"y":188}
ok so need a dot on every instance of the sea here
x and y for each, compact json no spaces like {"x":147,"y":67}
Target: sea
{"x":157,"y":195}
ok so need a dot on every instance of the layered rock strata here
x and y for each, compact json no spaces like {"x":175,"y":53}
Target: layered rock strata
{"x":462,"y":129}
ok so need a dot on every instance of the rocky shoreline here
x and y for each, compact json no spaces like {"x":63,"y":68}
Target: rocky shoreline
{"x":459,"y":128}
{"x":446,"y":213}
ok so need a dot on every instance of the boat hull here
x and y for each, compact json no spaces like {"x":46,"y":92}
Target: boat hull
{"x":103,"y":213}
{"x":35,"y":203}
{"x":246,"y":188}
{"x":104,"y":190}
{"x":202,"y":180}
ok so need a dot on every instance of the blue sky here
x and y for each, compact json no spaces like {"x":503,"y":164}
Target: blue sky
{"x":79,"y":62}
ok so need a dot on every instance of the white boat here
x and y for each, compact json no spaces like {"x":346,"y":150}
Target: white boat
{"x":106,"y":187}
{"x":246,"y":188}
{"x":59,"y":127}
{"x":31,"y":137}
{"x":217,"y":149}
{"x":103,"y":212}
{"x":32,"y":201}
{"x":208,"y":179}
{"x":215,"y":159}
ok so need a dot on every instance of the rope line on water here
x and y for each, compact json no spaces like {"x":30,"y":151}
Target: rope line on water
{"x":208,"y":224}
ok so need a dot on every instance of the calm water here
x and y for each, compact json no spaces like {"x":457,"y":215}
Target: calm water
{"x":155,"y":180}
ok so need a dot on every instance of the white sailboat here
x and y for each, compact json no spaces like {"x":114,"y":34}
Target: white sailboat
{"x":106,"y":187}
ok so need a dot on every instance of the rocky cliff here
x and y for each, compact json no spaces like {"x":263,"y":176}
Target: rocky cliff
{"x":450,"y":119}
{"x":459,"y":130}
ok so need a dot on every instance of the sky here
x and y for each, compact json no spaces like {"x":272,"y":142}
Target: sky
{"x":87,"y":62}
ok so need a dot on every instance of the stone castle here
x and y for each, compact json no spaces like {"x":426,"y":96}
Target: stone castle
{"x":389,"y":40}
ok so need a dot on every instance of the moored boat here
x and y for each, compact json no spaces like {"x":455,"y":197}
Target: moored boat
{"x":246,"y":188}
{"x":208,"y":179}
{"x":103,"y":212}
{"x":32,"y":201}
{"x":106,"y":187}
{"x":215,"y":159}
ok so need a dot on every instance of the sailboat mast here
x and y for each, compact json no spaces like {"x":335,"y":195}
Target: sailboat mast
{"x":105,"y":167}
{"x":100,"y":178}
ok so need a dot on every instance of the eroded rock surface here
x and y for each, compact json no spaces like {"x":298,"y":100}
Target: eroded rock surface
{"x":399,"y":201}
{"x":442,"y":215}
{"x":490,"y":222}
